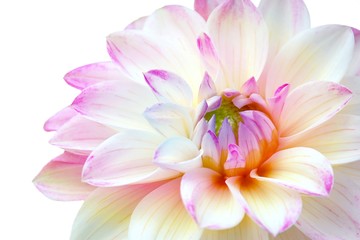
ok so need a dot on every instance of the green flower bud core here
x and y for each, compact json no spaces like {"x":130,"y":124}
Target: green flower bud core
{"x":226,"y":110}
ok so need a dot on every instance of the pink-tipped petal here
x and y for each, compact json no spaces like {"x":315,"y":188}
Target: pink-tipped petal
{"x":337,"y":139}
{"x":61,"y":181}
{"x":170,"y":119}
{"x":161,"y":215}
{"x":235,"y":158}
{"x":305,"y":108}
{"x":318,"y":54}
{"x":209,"y":201}
{"x":138,"y":24}
{"x":179,"y":154}
{"x":246,"y":229}
{"x":207,"y":88}
{"x":301,"y":169}
{"x":249,"y":87}
{"x":334,"y":217}
{"x":226,"y":135}
{"x":106,"y":213}
{"x":81,"y":135}
{"x":116,"y":104}
{"x":277,"y":213}
{"x":168,"y":87}
{"x":354,"y":67}
{"x":211,"y":151}
{"x":205,"y":7}
{"x":240,"y":22}
{"x":200,"y":111}
{"x":276,"y":103}
{"x":59,"y":119}
{"x":125,"y":158}
{"x":90,"y":74}
{"x":199,"y":132}
{"x":209,"y":56}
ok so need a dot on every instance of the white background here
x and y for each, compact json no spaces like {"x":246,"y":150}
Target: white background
{"x":40,"y":41}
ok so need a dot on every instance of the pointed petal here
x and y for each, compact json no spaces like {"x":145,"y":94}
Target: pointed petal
{"x":318,"y":54}
{"x":240,"y":22}
{"x":301,"y":169}
{"x":209,"y":55}
{"x":249,"y":87}
{"x":209,"y":201}
{"x":247,"y":229}
{"x":205,"y":7}
{"x":81,"y":135}
{"x":170,"y":119}
{"x":62,"y":181}
{"x":199,"y":132}
{"x":337,"y":139}
{"x":179,"y":154}
{"x":116,"y":104}
{"x":106,"y":213}
{"x":207,"y":88}
{"x":274,"y":208}
{"x":226,"y":135}
{"x":138,"y":24}
{"x":284,"y":19}
{"x":354,"y":105}
{"x":161,"y":215}
{"x":293,"y":233}
{"x":305,"y":109}
{"x":90,"y":74}
{"x":181,"y":23}
{"x":354,"y":67}
{"x":59,"y":119}
{"x":334,"y":217}
{"x":123,"y":159}
{"x":276,"y":103}
{"x":212,"y":152}
{"x":168,"y":87}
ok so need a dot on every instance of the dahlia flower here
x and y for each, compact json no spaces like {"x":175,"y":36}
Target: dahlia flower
{"x":228,"y":122}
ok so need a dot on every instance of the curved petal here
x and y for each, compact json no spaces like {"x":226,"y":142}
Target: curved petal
{"x":305,"y":108}
{"x":138,"y":24}
{"x":243,"y":51}
{"x":81,"y":135}
{"x":318,"y":54}
{"x":302,"y":169}
{"x":334,"y":217}
{"x":116,"y":104}
{"x":353,"y":107}
{"x":271,"y":206}
{"x":170,"y":119}
{"x":69,"y":157}
{"x":246,"y":229}
{"x":161,"y":215}
{"x":90,"y":74}
{"x":106,"y":213}
{"x":209,"y":201}
{"x":179,"y":154}
{"x":212,"y":152}
{"x":125,"y":158}
{"x":62,"y":181}
{"x":168,"y":87}
{"x":59,"y":119}
{"x":205,"y":7}
{"x":337,"y":139}
{"x":354,"y":67}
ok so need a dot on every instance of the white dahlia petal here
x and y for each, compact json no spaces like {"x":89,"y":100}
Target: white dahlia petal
{"x":354,"y":67}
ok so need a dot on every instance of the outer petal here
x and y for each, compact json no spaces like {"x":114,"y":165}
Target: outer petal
{"x":243,"y":51}
{"x":353,"y":107}
{"x":292,"y":233}
{"x":205,"y":7}
{"x":170,"y":119}
{"x":61,"y":181}
{"x":303,"y":169}
{"x":354,"y":67}
{"x":305,"y":108}
{"x":168,"y":87}
{"x":351,"y":170}
{"x":337,"y":139}
{"x":209,"y":201}
{"x":138,"y":24}
{"x":125,"y":158}
{"x":179,"y":154}
{"x":90,"y":74}
{"x":335,"y":217}
{"x":274,"y":208}
{"x":106,"y":212}
{"x":321,"y":53}
{"x":59,"y":119}
{"x":247,"y":229}
{"x":81,"y":135}
{"x":116,"y":104}
{"x":161,"y":215}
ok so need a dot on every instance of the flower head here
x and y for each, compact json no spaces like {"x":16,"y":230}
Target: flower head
{"x":228,"y":122}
